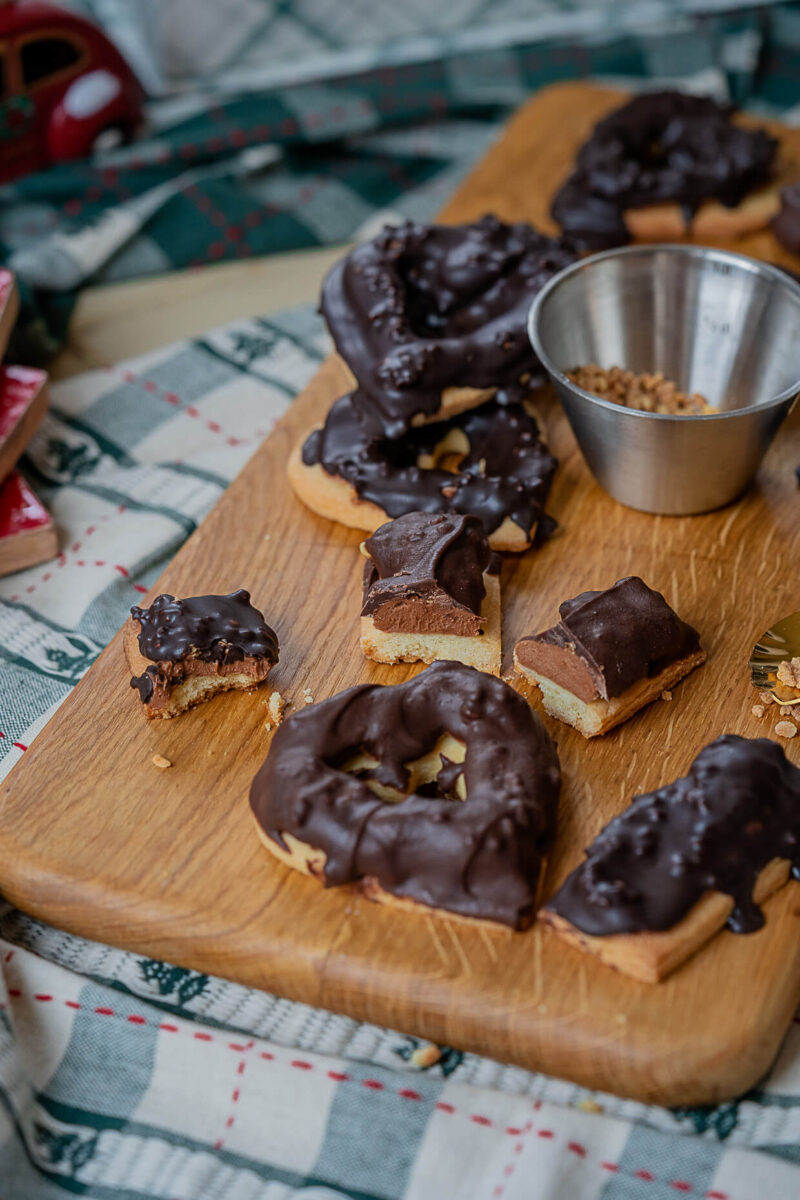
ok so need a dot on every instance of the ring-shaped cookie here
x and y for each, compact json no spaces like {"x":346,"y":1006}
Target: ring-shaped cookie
{"x":476,"y":857}
{"x":666,"y":164}
{"x":432,"y":319}
{"x":502,"y":471}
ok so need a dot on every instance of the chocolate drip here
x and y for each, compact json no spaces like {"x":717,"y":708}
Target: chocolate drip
{"x":480,"y":857}
{"x":623,"y":634}
{"x":507,"y":471}
{"x":222,"y":629}
{"x":713,"y":831}
{"x":432,"y":556}
{"x":421,"y":308}
{"x":660,"y":147}
{"x":786,"y":224}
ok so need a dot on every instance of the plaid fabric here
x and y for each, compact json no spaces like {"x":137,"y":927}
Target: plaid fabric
{"x":350,"y":108}
{"x":131,"y":1078}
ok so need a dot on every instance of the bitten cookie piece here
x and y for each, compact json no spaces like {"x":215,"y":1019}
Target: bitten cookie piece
{"x":611,"y":653}
{"x":431,"y":591}
{"x":183,"y":652}
{"x":666,"y":875}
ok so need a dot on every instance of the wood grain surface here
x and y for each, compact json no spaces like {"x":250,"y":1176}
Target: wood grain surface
{"x":95,"y":839}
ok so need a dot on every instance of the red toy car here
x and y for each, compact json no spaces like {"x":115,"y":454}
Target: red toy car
{"x":65,"y":90}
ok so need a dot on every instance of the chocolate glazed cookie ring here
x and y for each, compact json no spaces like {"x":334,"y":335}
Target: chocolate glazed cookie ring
{"x":431,"y":319}
{"x":500,"y":471}
{"x":440,"y":792}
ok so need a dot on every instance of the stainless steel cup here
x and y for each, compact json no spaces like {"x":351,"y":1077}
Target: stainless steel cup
{"x":715,"y":323}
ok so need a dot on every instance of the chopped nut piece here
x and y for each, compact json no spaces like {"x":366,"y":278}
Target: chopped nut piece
{"x":666,"y":695}
{"x":161,"y":762}
{"x":308,"y":696}
{"x":276,"y":706}
{"x":766,"y":697}
{"x":786,"y":729}
{"x":651,"y":393}
{"x":758,"y":710}
{"x":786,"y":710}
{"x":789,"y":673}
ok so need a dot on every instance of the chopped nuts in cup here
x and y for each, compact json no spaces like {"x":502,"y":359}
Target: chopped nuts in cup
{"x":650,"y":393}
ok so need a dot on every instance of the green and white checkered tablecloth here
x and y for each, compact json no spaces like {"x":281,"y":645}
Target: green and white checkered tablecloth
{"x":124,"y":1078}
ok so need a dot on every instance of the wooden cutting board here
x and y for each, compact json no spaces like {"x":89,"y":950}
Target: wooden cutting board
{"x":95,"y":839}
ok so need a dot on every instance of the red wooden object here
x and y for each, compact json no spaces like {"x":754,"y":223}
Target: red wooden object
{"x":27,"y":533}
{"x":64,"y":88}
{"x":23,"y":403}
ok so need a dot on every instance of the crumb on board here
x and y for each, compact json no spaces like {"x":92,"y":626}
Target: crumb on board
{"x":161,"y":762}
{"x":665,"y":695}
{"x":786,"y":729}
{"x":275,"y":707}
{"x":308,"y":696}
{"x":789,"y":673}
{"x":758,"y":710}
{"x":268,"y":726}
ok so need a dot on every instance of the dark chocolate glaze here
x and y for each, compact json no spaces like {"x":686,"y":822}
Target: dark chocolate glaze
{"x":221,"y":629}
{"x":420,"y":308}
{"x":786,"y":223}
{"x":623,"y":634}
{"x":480,"y":857}
{"x":660,"y":147}
{"x":714,"y":830}
{"x":507,"y":472}
{"x":427,"y":554}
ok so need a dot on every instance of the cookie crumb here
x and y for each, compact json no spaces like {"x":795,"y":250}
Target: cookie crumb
{"x":590,"y":1106}
{"x":758,"y":710}
{"x":666,"y":695}
{"x":268,"y":726}
{"x":275,"y":707}
{"x":161,"y":762}
{"x":789,"y":673}
{"x":308,"y":696}
{"x":426,"y":1055}
{"x":786,"y":729}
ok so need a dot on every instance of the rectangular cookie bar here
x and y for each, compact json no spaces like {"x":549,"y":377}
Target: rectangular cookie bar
{"x":612,"y":652}
{"x":431,"y":591}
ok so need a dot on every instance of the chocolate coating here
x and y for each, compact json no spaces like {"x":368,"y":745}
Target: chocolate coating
{"x":786,"y":224}
{"x":219,"y":629}
{"x":420,"y":308}
{"x":626,"y":633}
{"x":506,"y":473}
{"x":712,"y":831}
{"x":428,"y":555}
{"x":660,"y":147}
{"x":480,"y":857}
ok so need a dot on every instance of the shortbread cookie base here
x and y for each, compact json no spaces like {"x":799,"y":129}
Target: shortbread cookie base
{"x":482,"y":651}
{"x":455,"y":400}
{"x":598,"y":716}
{"x":651,"y":957}
{"x":712,"y":221}
{"x":311,"y":861}
{"x":194,"y":690}
{"x":334,"y":498}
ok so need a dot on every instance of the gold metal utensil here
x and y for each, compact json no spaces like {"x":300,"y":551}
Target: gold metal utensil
{"x":779,"y":644}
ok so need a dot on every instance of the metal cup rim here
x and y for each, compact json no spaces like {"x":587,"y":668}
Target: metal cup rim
{"x":754,"y":265}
